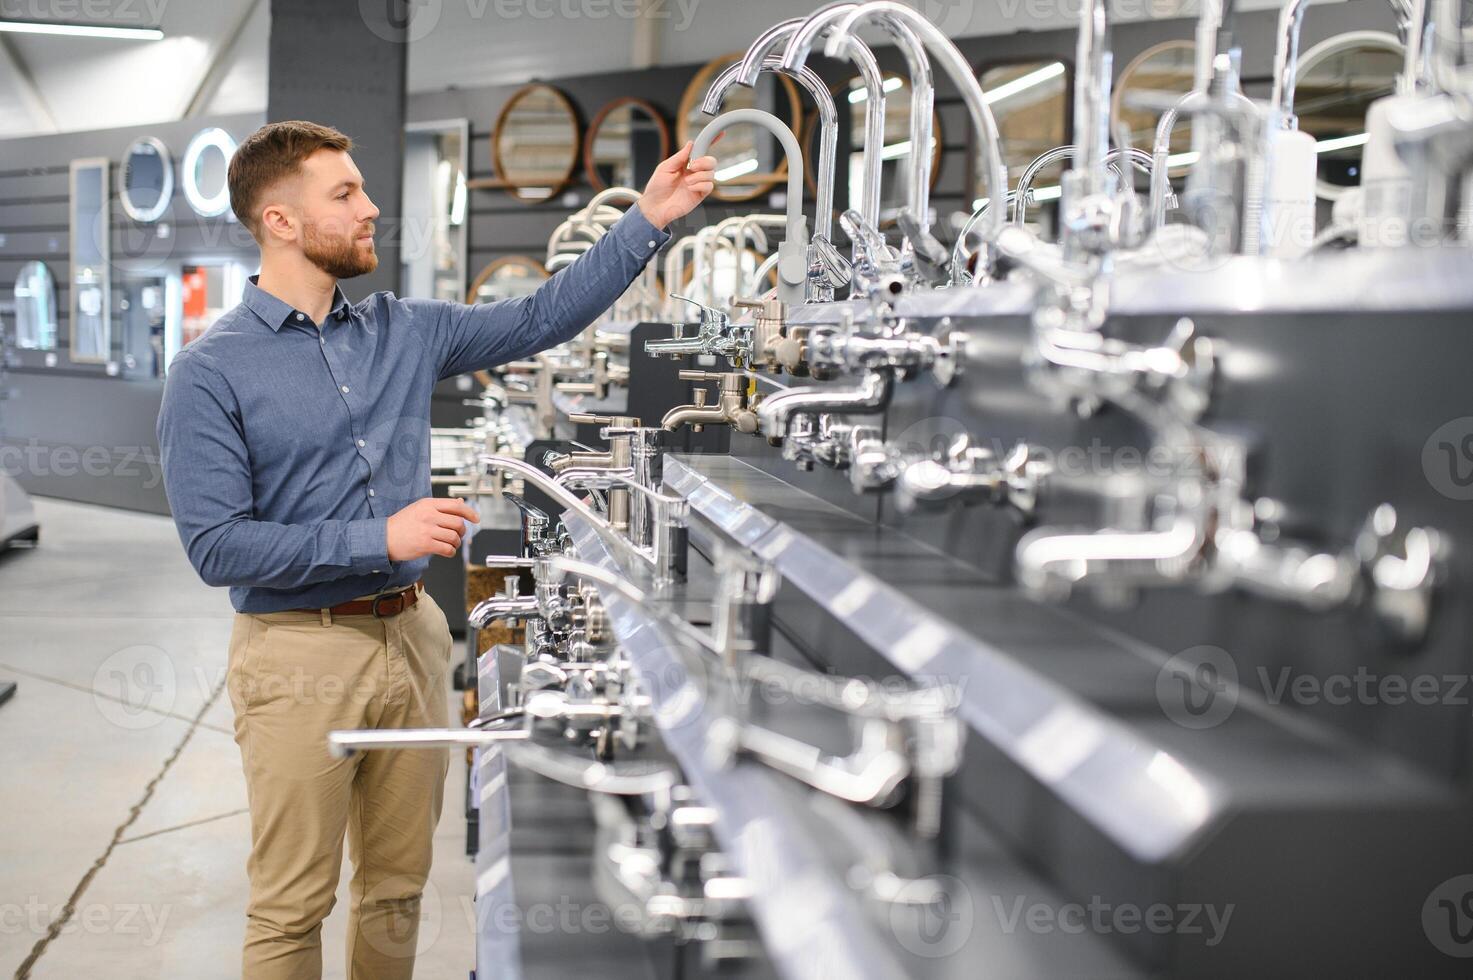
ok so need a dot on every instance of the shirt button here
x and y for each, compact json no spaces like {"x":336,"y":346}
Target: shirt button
{"x":370,"y":491}
{"x":345,"y":389}
{"x":301,"y":316}
{"x":653,"y":245}
{"x":361,"y":443}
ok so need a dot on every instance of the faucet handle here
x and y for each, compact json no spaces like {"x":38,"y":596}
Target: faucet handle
{"x":586,"y":418}
{"x":709,"y":314}
{"x":700,"y":375}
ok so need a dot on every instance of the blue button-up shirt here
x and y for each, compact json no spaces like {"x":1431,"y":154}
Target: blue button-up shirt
{"x":287,"y":444}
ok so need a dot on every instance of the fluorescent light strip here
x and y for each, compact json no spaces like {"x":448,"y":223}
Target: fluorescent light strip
{"x":82,"y":30}
{"x":897,"y":150}
{"x":889,"y":85}
{"x":1039,"y":194}
{"x":1023,"y":82}
{"x":1342,"y":143}
{"x":737,"y":169}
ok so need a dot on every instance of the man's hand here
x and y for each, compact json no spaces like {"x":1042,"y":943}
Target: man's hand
{"x":430,"y":526}
{"x":679,"y":184}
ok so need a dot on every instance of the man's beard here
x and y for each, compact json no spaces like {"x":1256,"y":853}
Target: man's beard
{"x":339,"y":258}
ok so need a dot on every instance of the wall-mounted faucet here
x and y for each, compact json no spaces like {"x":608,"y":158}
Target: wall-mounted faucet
{"x":731,"y":406}
{"x":871,"y":395}
{"x":716,"y":335}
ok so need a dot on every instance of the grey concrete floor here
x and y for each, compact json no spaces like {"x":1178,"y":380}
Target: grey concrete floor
{"x":124,"y":832}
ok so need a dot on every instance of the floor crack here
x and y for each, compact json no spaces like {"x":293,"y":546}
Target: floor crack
{"x":70,"y":908}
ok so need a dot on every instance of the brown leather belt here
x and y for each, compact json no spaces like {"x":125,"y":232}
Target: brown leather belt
{"x":384,"y":606}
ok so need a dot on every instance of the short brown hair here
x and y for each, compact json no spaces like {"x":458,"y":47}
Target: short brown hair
{"x":271,"y":153}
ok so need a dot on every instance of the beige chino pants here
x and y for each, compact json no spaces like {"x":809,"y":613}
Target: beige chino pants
{"x":293,"y":677}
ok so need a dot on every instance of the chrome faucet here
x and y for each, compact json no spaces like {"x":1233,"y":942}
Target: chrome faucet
{"x":716,"y":335}
{"x":802,"y":33}
{"x":832,"y":351}
{"x":908,"y":26}
{"x":871,"y":395}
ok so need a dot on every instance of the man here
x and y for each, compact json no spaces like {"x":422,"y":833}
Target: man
{"x":295,"y":445}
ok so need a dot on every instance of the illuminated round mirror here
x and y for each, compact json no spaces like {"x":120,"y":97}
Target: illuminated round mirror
{"x":749,"y":161}
{"x":204,"y":172}
{"x":146,"y":180}
{"x":625,"y":142}
{"x":505,"y":278}
{"x":1338,"y":79}
{"x":35,"y":308}
{"x":1029,"y":100}
{"x":535,"y":143}
{"x":895,"y":157}
{"x":1153,"y":82}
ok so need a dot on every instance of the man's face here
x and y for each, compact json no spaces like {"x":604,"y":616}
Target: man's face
{"x":334,"y":215}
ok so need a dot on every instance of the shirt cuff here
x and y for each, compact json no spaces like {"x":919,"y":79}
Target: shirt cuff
{"x":637,"y":235}
{"x":368,"y":544}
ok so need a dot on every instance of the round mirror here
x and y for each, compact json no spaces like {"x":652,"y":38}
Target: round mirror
{"x":35,"y":308}
{"x":1338,"y":79}
{"x":749,"y":161}
{"x":1149,"y":86}
{"x":535,"y":143}
{"x":505,"y":278}
{"x":204,"y":171}
{"x":625,"y":142}
{"x":146,"y":180}
{"x":1030,"y":101}
{"x":895,"y":158}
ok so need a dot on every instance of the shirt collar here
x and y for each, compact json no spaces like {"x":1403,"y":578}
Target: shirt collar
{"x":275,"y":312}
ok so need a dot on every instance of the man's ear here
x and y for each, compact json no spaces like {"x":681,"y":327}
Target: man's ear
{"x":279,"y":223}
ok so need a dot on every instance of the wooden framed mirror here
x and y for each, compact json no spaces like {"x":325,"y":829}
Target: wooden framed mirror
{"x":535,"y":143}
{"x":850,"y":97}
{"x":505,"y":278}
{"x":1152,"y":81}
{"x":1338,"y":79}
{"x":1030,"y":101}
{"x":624,"y":144}
{"x":749,"y":161}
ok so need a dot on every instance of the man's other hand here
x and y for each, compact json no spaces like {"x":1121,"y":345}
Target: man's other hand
{"x":430,"y":526}
{"x":679,"y":184}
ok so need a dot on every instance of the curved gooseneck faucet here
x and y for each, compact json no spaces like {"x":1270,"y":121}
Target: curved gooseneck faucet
{"x":1192,"y":102}
{"x":918,"y":66}
{"x":792,"y":265}
{"x":896,"y":18}
{"x":828,"y":129}
{"x":868,"y":197}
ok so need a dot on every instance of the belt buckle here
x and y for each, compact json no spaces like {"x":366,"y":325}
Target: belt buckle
{"x":377,"y":599}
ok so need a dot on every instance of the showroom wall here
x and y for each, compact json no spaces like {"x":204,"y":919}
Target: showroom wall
{"x":85,"y":431}
{"x":63,"y":413}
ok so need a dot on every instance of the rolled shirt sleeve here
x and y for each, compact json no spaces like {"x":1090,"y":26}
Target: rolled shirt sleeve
{"x":484,"y":335}
{"x":207,"y":476}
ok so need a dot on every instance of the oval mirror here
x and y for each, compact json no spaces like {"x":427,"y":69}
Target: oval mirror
{"x":749,"y":161}
{"x":505,"y":278}
{"x":35,"y":308}
{"x":1338,"y":79}
{"x":896,"y":155}
{"x":534,"y":145}
{"x":146,"y":180}
{"x":1153,"y":81}
{"x":1030,"y":101}
{"x":625,"y":142}
{"x":204,"y":170}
